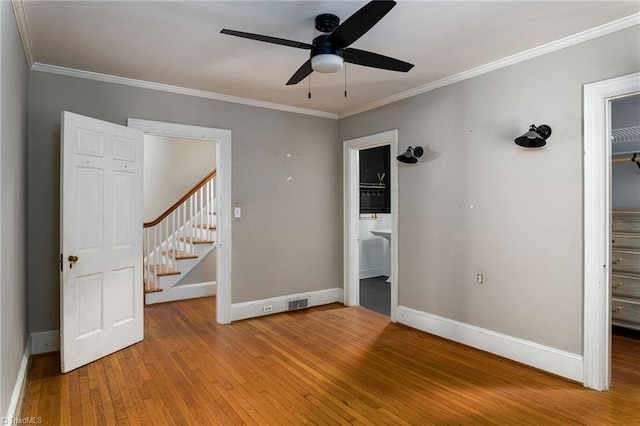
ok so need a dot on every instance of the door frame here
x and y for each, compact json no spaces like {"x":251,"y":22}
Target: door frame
{"x":223,"y":199}
{"x":597,"y":225}
{"x":351,"y":215}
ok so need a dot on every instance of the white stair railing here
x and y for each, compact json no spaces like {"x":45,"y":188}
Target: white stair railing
{"x":174,"y":233}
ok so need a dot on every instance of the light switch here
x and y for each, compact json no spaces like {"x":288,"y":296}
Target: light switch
{"x":237,"y":212}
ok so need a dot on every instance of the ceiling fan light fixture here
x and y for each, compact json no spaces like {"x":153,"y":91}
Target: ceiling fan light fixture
{"x":327,"y":63}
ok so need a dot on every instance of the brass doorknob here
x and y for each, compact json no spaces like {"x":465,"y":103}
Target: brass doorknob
{"x":73,"y":258}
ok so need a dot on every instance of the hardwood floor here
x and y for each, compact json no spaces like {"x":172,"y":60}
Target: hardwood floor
{"x":325,"y":365}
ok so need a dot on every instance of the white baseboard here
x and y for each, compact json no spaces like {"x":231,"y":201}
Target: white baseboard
{"x":545,"y":358}
{"x":17,"y":397}
{"x":44,"y":342}
{"x":252,"y":309}
{"x":182,"y":292}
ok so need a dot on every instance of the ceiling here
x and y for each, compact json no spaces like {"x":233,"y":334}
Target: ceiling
{"x":179,"y":43}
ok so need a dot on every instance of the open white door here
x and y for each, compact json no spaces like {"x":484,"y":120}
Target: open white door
{"x":101,"y":290}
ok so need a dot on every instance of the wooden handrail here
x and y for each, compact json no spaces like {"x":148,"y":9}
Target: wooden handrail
{"x":182,"y":199}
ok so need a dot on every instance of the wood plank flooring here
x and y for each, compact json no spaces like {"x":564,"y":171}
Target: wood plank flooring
{"x":326,"y":365}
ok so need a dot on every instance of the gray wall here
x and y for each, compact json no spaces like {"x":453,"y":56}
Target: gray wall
{"x":285,"y":241}
{"x":203,"y":273}
{"x":625,"y":183}
{"x":13,"y":186}
{"x":171,"y":167}
{"x":479,"y":203}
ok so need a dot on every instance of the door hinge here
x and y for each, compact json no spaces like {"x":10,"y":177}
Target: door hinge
{"x":60,"y":261}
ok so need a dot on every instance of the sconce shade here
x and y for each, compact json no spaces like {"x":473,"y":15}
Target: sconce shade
{"x":535,"y":137}
{"x":411,"y":155}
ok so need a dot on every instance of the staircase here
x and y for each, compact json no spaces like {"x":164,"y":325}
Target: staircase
{"x":178,"y":240}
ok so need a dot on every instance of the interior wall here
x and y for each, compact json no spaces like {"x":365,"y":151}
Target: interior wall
{"x":13,"y":186}
{"x":172,"y":166}
{"x":284,"y":177}
{"x":477,"y":202}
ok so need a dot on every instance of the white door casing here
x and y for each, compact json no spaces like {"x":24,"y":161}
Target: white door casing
{"x":223,"y":198}
{"x":597,"y":225}
{"x":351,"y":179}
{"x":101,"y":223}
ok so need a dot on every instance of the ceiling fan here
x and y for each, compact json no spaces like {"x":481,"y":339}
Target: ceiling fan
{"x":330,"y":50}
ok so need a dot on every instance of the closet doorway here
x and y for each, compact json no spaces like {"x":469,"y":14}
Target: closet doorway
{"x":625,"y":228}
{"x":597,"y":208}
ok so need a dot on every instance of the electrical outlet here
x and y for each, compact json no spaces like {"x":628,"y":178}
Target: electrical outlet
{"x":480,"y":278}
{"x":267,"y":308}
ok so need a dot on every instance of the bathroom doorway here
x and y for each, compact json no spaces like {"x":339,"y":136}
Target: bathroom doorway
{"x":375,"y":229}
{"x":369,"y":233}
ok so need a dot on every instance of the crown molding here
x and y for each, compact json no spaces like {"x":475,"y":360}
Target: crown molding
{"x":23,"y":29}
{"x":587,"y":35}
{"x":106,"y":78}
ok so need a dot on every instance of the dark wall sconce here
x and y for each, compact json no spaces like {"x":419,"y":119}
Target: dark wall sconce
{"x":411,"y":155}
{"x":535,"y":137}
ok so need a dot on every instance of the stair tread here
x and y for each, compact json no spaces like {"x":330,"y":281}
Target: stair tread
{"x":151,"y":287}
{"x":196,"y":240}
{"x":212,"y":227}
{"x":163,"y":270}
{"x":179,"y":255}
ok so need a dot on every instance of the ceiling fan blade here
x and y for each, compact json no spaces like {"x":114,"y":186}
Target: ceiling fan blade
{"x":360,"y":22}
{"x":375,"y":60}
{"x":267,"y":39}
{"x":301,"y":74}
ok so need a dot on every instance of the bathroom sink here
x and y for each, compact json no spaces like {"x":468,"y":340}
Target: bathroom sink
{"x":385,"y":233}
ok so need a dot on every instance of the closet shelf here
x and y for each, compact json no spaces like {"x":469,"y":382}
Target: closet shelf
{"x":625,"y":134}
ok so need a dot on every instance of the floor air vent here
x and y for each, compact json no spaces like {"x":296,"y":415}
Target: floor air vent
{"x":293,"y":305}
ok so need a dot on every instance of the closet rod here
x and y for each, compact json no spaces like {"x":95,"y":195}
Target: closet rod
{"x":635,"y":158}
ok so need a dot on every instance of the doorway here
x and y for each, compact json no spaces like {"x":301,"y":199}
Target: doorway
{"x":353,"y":240}
{"x":597,"y":225}
{"x":223,"y":199}
{"x":375,"y":220}
{"x":175,"y":183}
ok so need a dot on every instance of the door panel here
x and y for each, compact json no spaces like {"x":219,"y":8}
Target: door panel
{"x":101,"y":220}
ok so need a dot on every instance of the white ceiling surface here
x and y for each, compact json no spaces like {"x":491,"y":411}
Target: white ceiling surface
{"x":179,"y":43}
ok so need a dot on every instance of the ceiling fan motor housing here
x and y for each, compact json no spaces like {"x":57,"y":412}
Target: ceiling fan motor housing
{"x":322,"y":46}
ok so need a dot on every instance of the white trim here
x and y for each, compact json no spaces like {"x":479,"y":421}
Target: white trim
{"x":549,"y":359}
{"x":253,"y":309}
{"x":351,"y":215}
{"x":89,"y":75}
{"x":17,"y":397}
{"x":23,"y":30}
{"x":597,"y":224}
{"x":583,"y":36}
{"x":223,"y":199}
{"x":45,"y":342}
{"x":182,"y":292}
